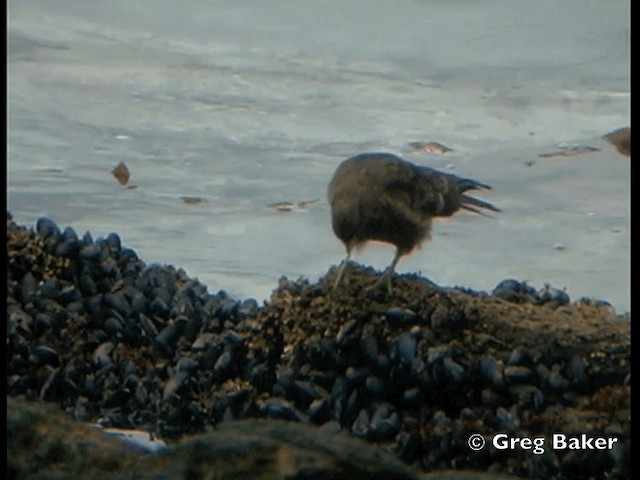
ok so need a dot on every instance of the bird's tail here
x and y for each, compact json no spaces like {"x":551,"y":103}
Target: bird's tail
{"x":465,"y":184}
{"x":474,"y":205}
{"x":470,"y":203}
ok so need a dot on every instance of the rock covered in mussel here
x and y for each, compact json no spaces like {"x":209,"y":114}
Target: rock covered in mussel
{"x":125,"y":344}
{"x":90,"y":320}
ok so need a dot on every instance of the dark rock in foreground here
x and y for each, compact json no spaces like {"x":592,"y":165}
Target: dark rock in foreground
{"x":43,"y":443}
{"x":112,"y":340}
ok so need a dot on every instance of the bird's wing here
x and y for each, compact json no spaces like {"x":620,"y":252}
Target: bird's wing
{"x":421,"y":194}
{"x":435,"y":193}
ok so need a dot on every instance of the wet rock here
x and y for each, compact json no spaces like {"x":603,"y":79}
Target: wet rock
{"x":91,"y":252}
{"x":356,"y":376}
{"x":76,"y":307}
{"x":452,"y":370}
{"x":556,"y":381}
{"x":119,"y":343}
{"x":41,"y":323}
{"x":68,"y":248}
{"x":528,"y":397}
{"x":369,"y":346}
{"x":57,"y":387}
{"x":405,"y":347}
{"x":167,"y":337}
{"x":413,"y":397}
{"x":360,"y":426}
{"x":46,"y":228}
{"x":401,"y":316}
{"x":19,"y":322}
{"x":247,"y":308}
{"x":354,"y":402}
{"x":102,"y":354}
{"x":148,"y":327}
{"x":515,"y":291}
{"x":409,"y":446}
{"x":118,"y":302}
{"x":113,"y":242}
{"x":121,"y":173}
{"x":44,"y":355}
{"x":517,"y":374}
{"x":577,"y":373}
{"x":204,"y":341}
{"x":159,"y":307}
{"x":28,"y":287}
{"x":492,"y":372}
{"x":227,"y":309}
{"x":69,"y":234}
{"x":520,"y":356}
{"x":319,"y":410}
{"x":331,"y":427}
{"x":339,"y":388}
{"x":50,"y":288}
{"x":553,"y":297}
{"x":223,"y":364}
{"x":505,"y":421}
{"x":375,"y":386}
{"x":278,"y":408}
{"x":69,"y":294}
{"x":186,"y":364}
{"x":174,"y":384}
{"x":257,"y":449}
{"x":384,"y":423}
{"x":345,"y":332}
{"x":621,"y":139}
{"x":232,"y":337}
{"x":87,"y":286}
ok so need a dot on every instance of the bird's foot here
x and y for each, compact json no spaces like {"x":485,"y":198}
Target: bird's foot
{"x":342,"y":275}
{"x":386,"y":279}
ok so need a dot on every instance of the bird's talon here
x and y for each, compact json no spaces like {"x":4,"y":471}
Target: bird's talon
{"x":384,"y":279}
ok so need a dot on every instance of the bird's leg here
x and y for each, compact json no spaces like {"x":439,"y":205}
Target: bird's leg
{"x":388,"y":273}
{"x":342,"y":267}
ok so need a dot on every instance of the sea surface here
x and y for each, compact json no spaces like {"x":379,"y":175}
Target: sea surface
{"x":244,"y":104}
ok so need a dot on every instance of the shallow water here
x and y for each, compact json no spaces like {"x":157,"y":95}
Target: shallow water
{"x":248,"y":103}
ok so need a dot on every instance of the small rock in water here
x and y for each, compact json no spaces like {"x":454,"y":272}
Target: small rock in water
{"x":121,"y":173}
{"x":621,"y":139}
{"x":430,"y":147}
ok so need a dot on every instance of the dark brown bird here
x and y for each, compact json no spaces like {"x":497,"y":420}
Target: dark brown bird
{"x":380,"y":196}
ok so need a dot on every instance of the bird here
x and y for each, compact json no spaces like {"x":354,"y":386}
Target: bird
{"x":379,"y":196}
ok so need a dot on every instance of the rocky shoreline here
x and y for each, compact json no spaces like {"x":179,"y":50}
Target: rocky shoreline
{"x":114,"y":341}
